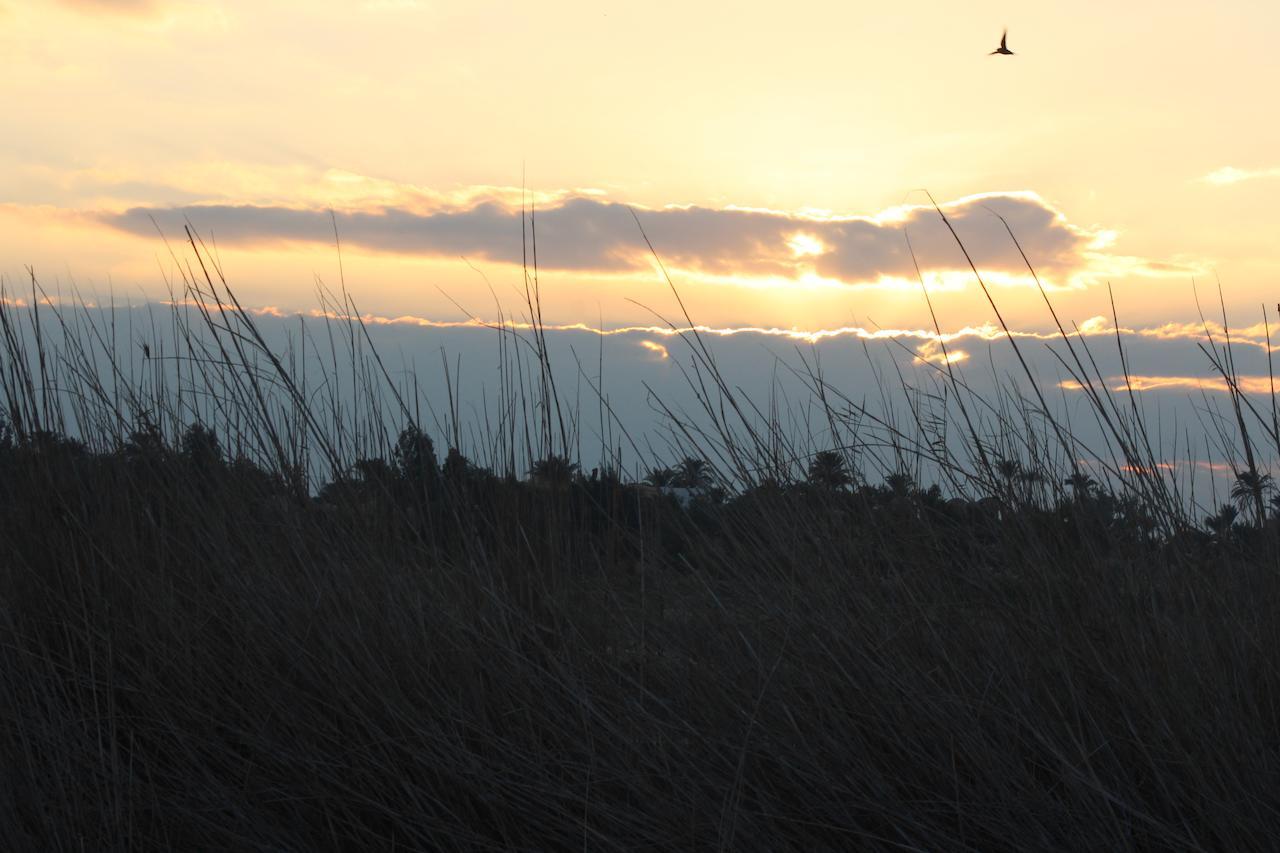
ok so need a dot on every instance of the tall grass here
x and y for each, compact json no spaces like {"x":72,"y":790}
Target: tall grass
{"x":244,"y":605}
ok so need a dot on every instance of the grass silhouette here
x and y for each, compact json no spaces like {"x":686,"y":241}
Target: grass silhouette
{"x":236,"y":613}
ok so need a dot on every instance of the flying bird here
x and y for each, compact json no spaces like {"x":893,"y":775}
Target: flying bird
{"x":1004,"y":47}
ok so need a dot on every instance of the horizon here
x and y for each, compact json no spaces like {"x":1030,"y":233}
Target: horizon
{"x":632,"y":400}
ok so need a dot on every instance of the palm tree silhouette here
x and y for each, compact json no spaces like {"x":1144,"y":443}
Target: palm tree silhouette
{"x":1085,"y":495}
{"x":827,"y":471}
{"x":1222,"y":523}
{"x":1009,"y":471}
{"x":1032,"y":481}
{"x":660,"y":477}
{"x":1082,"y":485}
{"x":1251,"y":486}
{"x":900,"y":484}
{"x":693,"y":473}
{"x":554,"y":470}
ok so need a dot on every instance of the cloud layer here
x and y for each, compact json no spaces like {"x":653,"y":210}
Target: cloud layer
{"x":585,"y":233}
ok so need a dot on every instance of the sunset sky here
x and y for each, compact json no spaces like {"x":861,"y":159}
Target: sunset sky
{"x":771,"y":151}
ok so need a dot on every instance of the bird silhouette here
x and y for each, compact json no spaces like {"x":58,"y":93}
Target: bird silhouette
{"x":1004,"y":47}
{"x":146,"y":351}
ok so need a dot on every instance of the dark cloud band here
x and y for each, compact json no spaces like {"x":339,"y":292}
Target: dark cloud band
{"x":589,"y":234}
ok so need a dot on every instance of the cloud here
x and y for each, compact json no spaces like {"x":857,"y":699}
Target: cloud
{"x":1232,"y":175}
{"x":1172,"y":347}
{"x":932,"y":350}
{"x":584,"y":232}
{"x":128,"y":7}
{"x":659,"y":350}
{"x":1260,"y":385}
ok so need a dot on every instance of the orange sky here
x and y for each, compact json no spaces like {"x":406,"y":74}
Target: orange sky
{"x":767,"y":148}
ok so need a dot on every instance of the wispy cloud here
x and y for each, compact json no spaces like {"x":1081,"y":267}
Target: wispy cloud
{"x":588,"y":233}
{"x":1246,"y":384}
{"x":1232,"y":175}
{"x":130,"y":7}
{"x":659,"y":350}
{"x":933,"y":350}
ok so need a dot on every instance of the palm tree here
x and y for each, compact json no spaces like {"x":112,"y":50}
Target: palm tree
{"x":932,"y":497}
{"x":693,"y":473}
{"x":660,"y":477}
{"x":1222,"y":523}
{"x":554,"y":470}
{"x":1252,"y":486}
{"x":1082,"y":485}
{"x":900,"y":484}
{"x":827,"y":471}
{"x":1032,"y":482}
{"x":1009,"y":470}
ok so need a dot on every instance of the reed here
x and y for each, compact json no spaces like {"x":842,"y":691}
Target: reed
{"x":246,"y":603}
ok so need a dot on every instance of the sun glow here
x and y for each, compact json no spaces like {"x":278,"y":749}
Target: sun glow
{"x":657,"y":349}
{"x":933,"y":352}
{"x":804,"y":245}
{"x":952,"y":357}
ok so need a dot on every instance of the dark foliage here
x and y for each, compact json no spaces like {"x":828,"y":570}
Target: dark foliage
{"x":506,"y":665}
{"x":202,"y":646}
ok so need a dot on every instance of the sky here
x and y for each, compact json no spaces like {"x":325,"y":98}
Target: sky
{"x":775,"y":154}
{"x":778,"y":158}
